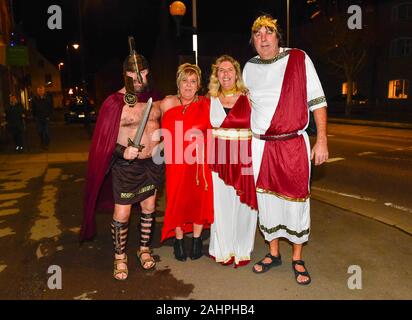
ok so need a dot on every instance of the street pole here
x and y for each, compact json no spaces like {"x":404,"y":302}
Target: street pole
{"x":194,"y":24}
{"x":69,"y":65}
{"x":82,"y":56}
{"x":288,"y":23}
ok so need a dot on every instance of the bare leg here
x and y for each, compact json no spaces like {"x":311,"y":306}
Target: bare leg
{"x":274,"y":251}
{"x":121,"y":214}
{"x":147,"y":228}
{"x":297,"y":255}
{"x":197,"y":230}
{"x":179,"y":233}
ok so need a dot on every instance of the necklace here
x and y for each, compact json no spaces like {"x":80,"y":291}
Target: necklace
{"x":230,"y":92}
{"x":185,"y":106}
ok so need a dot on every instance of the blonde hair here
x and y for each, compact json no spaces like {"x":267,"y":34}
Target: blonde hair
{"x":187,"y":69}
{"x":214,"y":85}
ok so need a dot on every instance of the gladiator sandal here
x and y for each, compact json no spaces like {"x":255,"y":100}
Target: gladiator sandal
{"x":147,"y":225}
{"x":119,"y":235}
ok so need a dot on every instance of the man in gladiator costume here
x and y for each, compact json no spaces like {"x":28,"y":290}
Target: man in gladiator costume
{"x":116,"y":156}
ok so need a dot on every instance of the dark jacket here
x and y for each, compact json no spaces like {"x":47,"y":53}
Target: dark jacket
{"x":42,"y":107}
{"x":14,"y":116}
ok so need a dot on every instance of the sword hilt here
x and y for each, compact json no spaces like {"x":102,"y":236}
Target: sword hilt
{"x":130,"y":143}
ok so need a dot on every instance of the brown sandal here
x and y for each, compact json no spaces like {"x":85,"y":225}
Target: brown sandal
{"x":117,"y":271}
{"x":144,"y":262}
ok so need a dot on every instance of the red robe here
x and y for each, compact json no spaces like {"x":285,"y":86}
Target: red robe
{"x":233,"y":174}
{"x":284,"y":170}
{"x":189,"y":188}
{"x":98,"y":189}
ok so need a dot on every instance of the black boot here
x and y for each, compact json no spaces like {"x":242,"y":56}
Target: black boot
{"x":179,"y":250}
{"x":197,"y":246}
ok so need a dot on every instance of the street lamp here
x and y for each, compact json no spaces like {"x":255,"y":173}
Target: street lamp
{"x":178,"y":9}
{"x":288,"y":23}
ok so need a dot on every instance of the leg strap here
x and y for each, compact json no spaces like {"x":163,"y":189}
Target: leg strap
{"x":119,"y":235}
{"x":147,"y":225}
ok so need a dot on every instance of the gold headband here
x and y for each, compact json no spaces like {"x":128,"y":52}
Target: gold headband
{"x":264,"y":21}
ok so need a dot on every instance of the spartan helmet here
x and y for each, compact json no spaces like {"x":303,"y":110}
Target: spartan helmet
{"x":134,"y":63}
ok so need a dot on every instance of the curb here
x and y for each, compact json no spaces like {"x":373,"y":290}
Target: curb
{"x":393,"y":225}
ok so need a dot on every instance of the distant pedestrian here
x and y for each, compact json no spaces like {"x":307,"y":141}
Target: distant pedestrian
{"x":15,"y":123}
{"x":42,"y":108}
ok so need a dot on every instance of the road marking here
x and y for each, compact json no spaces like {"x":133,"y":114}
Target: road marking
{"x":12,"y":196}
{"x":6,"y":232}
{"x":8,"y":204}
{"x":9,"y":212}
{"x":84,"y":296}
{"x":75,"y":230}
{"x":334,"y":159}
{"x":345,"y":194}
{"x":47,"y":226}
{"x":366,"y":153}
{"x":389,"y":204}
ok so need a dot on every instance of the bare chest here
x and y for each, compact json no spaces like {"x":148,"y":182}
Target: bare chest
{"x":131,"y":116}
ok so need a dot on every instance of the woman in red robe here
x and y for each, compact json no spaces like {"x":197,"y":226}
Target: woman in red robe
{"x":189,"y":194}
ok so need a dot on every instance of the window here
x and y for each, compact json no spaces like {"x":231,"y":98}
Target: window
{"x":401,"y":47}
{"x":402,"y":12}
{"x":345,"y":88}
{"x":398,"y":89}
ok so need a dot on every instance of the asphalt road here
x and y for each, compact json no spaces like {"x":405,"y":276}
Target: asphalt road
{"x":40,"y":214}
{"x":369,"y":172}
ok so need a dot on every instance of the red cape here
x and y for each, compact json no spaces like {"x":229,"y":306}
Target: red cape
{"x":98,"y":189}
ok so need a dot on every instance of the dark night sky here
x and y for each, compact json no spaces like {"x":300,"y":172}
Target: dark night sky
{"x":107,"y":23}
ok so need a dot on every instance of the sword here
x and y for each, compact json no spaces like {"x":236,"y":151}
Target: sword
{"x":139,"y":134}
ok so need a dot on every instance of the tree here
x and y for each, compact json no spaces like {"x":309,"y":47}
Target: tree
{"x":343,"y":48}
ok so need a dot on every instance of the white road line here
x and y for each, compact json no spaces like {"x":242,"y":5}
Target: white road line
{"x":6,"y":232}
{"x":334,"y":160}
{"x":366,"y":153}
{"x":392,"y":205}
{"x":8,"y":212}
{"x":345,"y":194}
{"x":391,"y":158}
{"x":84,"y":296}
{"x":47,"y":226}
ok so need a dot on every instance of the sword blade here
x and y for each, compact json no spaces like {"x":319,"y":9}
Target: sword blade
{"x":139,"y":134}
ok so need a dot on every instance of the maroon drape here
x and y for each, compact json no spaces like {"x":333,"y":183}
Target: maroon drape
{"x":285,"y":168}
{"x":232,"y":159}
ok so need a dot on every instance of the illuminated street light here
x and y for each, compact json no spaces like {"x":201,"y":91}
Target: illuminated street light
{"x":178,"y":9}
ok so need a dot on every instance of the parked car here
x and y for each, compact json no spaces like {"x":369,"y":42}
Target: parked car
{"x":79,"y":109}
